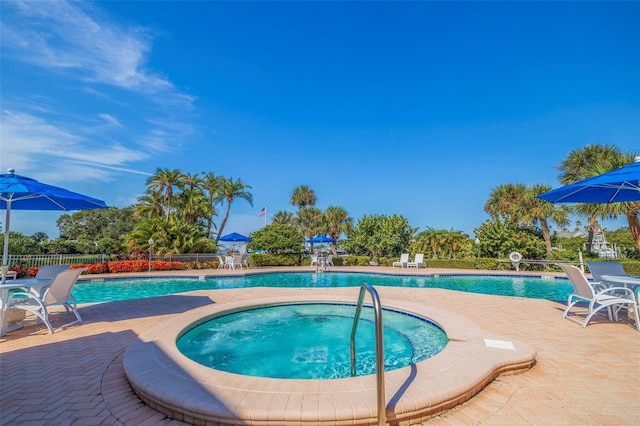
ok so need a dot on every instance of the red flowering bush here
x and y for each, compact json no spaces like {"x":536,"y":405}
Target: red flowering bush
{"x":122,"y":266}
{"x":92,"y":268}
{"x":143,"y":265}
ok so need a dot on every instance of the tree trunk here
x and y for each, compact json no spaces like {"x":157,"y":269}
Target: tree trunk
{"x":591,"y":231}
{"x":634,"y":223}
{"x":546,"y":235}
{"x":224,"y":220}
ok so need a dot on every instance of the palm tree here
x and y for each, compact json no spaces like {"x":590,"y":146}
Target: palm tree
{"x":303,"y":196}
{"x":192,"y":206}
{"x":505,"y":201}
{"x":430,"y":241}
{"x":190,"y":181}
{"x":310,"y":222}
{"x":337,"y":221}
{"x":149,"y":206}
{"x":229,"y":191}
{"x":537,"y":210}
{"x":163,"y":182}
{"x":454,"y":242}
{"x":283,"y":218}
{"x":211,"y":185}
{"x":593,"y":160}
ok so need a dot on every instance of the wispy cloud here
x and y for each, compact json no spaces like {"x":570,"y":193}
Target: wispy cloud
{"x":110,"y":120}
{"x":127,"y":113}
{"x":34,"y":140}
{"x":74,"y":36}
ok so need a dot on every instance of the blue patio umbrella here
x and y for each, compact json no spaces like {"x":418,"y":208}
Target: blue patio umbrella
{"x":234,"y":238}
{"x":321,"y":239}
{"x":618,"y":185}
{"x":23,"y":193}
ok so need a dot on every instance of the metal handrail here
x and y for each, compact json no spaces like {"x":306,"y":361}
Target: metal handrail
{"x":377,"y":316}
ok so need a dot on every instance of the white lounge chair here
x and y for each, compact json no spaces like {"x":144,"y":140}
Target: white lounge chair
{"x":404,"y":259}
{"x":58,"y":293}
{"x":418,"y":261}
{"x":612,"y":298}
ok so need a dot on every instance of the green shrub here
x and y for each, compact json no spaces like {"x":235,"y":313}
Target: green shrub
{"x":357,"y":260}
{"x":338,"y":261}
{"x":473,"y":263}
{"x":266,"y":259}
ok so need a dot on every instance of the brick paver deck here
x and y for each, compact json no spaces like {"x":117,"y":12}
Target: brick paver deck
{"x":582,"y":375}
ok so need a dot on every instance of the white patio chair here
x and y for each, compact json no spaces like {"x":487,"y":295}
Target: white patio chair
{"x":228,"y":262}
{"x":49,"y":272}
{"x":221,"y":264}
{"x":237,"y":261}
{"x":404,"y":259}
{"x":612,"y":298}
{"x":58,"y":293}
{"x":329,"y":261}
{"x":418,"y":261}
{"x":314,"y":259}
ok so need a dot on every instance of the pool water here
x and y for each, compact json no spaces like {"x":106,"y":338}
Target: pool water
{"x":92,"y":291}
{"x":308,"y":341}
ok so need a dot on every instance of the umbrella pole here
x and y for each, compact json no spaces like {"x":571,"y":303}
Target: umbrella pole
{"x":5,"y":252}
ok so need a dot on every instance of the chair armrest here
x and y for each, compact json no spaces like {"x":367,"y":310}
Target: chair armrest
{"x":599,"y":286}
{"x":24,"y":298}
{"x":616,"y":290}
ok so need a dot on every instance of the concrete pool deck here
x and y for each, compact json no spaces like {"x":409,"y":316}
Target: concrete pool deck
{"x":582,"y":375}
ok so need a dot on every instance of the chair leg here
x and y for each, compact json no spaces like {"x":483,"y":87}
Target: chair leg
{"x":43,"y":315}
{"x":72,"y":308}
{"x":570,"y":304}
{"x":40,"y":311}
{"x":636,"y":313}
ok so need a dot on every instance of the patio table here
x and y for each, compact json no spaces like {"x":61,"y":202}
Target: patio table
{"x":632,"y":282}
{"x":628,"y":281}
{"x":29,"y":283}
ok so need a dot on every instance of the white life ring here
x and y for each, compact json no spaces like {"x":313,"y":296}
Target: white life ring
{"x":515,"y":257}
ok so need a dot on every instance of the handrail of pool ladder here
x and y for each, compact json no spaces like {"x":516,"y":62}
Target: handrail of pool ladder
{"x":377,"y":316}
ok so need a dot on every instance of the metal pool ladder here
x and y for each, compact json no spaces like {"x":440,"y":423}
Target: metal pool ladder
{"x":377,"y":315}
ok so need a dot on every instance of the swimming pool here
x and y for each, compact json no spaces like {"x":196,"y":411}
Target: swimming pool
{"x":308,"y":341}
{"x":104,"y":290}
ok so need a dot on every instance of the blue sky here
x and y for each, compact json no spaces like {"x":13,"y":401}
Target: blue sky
{"x":411,"y":108}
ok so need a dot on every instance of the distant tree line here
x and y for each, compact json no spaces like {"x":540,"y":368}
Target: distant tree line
{"x":178,"y":213}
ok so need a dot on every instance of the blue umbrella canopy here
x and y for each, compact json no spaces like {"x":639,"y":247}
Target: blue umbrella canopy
{"x":235,"y":237}
{"x":321,"y":239}
{"x":23,"y":193}
{"x":618,"y":185}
